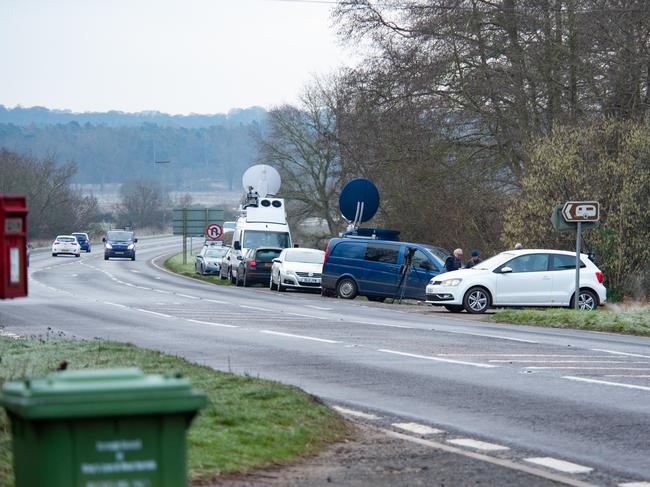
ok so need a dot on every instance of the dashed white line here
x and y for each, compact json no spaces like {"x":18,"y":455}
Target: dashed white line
{"x":634,"y":484}
{"x":137,"y":272}
{"x":477,"y":445}
{"x":115,"y":304}
{"x":500,"y":337}
{"x":254,"y":307}
{"x":606,"y":383}
{"x":586,"y":368}
{"x":154,"y":313}
{"x":560,"y":465}
{"x":620,"y":353}
{"x":634,"y":376}
{"x":215,"y":301}
{"x":439,"y":359}
{"x":317,"y":307}
{"x":210,"y":323}
{"x":270,"y":332}
{"x":418,"y":429}
{"x":357,"y":414}
{"x":186,"y":296}
{"x":566,"y":362}
{"x":308,"y":316}
{"x":374,"y":323}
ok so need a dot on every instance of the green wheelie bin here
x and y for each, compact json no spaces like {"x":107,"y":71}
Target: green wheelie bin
{"x":100,"y":428}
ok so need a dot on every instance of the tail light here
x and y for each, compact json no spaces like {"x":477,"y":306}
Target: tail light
{"x":57,"y":242}
{"x":327,"y":250}
{"x":252,"y":264}
{"x":599,"y":276}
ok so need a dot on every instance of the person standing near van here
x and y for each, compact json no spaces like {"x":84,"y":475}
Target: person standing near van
{"x":455,"y":261}
{"x":475,"y":259}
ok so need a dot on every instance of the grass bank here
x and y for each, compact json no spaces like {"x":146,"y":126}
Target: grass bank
{"x":629,"y":321}
{"x":175,"y":264}
{"x":248,"y":423}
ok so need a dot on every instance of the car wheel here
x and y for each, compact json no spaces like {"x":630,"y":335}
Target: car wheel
{"x":245,"y":280}
{"x":77,"y":255}
{"x":346,"y":288}
{"x":105,"y":257}
{"x":376,"y":299}
{"x":454,"y":308}
{"x":271,"y":284}
{"x":232,"y":278}
{"x":133,"y":258}
{"x":54,"y":254}
{"x":238,"y":281}
{"x":281,"y":288}
{"x":476,"y":300}
{"x":587,"y":300}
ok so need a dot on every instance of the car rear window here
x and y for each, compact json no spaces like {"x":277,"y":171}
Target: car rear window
{"x":66,"y":239}
{"x":215,"y":252}
{"x":564,"y":262}
{"x":80,"y":236}
{"x":264,"y":255}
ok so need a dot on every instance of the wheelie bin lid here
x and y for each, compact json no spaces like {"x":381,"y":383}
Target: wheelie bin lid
{"x":100,"y":392}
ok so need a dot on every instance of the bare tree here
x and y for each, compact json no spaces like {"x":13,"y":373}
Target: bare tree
{"x":143,"y":204}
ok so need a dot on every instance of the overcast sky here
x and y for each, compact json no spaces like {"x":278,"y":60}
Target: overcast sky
{"x":174,"y":56}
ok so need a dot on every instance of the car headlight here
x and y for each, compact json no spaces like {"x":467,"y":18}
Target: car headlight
{"x":108,"y":246}
{"x":131,"y":246}
{"x":451,"y":282}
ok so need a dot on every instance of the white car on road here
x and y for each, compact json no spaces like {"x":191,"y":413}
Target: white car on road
{"x":297,"y":268}
{"x":66,"y":244}
{"x":530,"y":277}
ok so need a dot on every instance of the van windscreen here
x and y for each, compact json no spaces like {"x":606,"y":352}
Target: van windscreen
{"x":253,"y":239}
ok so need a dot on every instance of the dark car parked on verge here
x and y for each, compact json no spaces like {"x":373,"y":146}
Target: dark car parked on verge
{"x":255,"y":266}
{"x":379,"y":269}
{"x":119,"y":243}
{"x":83,"y":239}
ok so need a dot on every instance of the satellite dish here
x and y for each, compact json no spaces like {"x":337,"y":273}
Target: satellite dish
{"x":261,"y":179}
{"x":359,"y":201}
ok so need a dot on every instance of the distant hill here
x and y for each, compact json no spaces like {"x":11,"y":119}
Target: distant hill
{"x":44,"y":116}
{"x":114,"y":147}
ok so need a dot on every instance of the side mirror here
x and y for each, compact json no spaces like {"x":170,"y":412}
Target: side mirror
{"x":236,"y":245}
{"x":135,"y":240}
{"x":295,"y":246}
{"x":506,"y":270}
{"x":276,"y":260}
{"x":103,"y":239}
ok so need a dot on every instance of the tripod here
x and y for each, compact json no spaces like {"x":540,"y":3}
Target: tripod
{"x":406,"y":266}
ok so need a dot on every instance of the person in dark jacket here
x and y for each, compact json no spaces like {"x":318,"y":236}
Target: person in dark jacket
{"x":474,"y":260}
{"x":454,"y":262}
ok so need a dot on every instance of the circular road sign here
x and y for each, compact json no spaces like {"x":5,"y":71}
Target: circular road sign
{"x":213,"y":231}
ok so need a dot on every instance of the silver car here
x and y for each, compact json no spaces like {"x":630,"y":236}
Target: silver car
{"x":208,"y":261}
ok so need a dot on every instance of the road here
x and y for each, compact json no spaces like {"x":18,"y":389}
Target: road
{"x":567,"y":402}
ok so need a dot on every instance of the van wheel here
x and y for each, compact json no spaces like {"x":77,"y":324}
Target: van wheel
{"x":105,"y":257}
{"x":346,"y":288}
{"x":476,"y":300}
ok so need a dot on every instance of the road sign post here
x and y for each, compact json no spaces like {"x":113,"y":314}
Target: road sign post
{"x":576,"y":215}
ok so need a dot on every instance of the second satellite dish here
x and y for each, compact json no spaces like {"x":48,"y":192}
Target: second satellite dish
{"x":359,"y":201}
{"x":261,"y":179}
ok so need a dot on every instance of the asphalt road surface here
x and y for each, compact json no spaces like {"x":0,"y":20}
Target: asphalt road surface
{"x":566,"y":403}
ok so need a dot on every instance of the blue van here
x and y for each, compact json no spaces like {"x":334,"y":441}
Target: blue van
{"x":379,"y":269}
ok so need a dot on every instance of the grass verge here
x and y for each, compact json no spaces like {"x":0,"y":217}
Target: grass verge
{"x":248,"y":423}
{"x":175,"y":264}
{"x":632,"y":321}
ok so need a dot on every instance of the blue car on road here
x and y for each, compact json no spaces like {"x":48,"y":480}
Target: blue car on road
{"x":119,"y":243}
{"x":83,"y":239}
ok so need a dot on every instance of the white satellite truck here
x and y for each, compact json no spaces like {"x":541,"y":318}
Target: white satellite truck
{"x":262,"y":221}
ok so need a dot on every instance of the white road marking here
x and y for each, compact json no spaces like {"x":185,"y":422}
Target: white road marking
{"x":352,"y":412}
{"x":477,"y":445}
{"x":606,"y":383}
{"x":133,"y":270}
{"x":519,"y":355}
{"x":418,"y":429}
{"x":186,"y":296}
{"x":634,"y":484}
{"x":560,"y":465}
{"x":587,"y":368}
{"x":566,"y":362}
{"x":630,"y":375}
{"x":161,"y":291}
{"x":270,"y":332}
{"x":9,"y":334}
{"x":115,"y":304}
{"x":215,"y":301}
{"x":212,"y":324}
{"x":317,"y":307}
{"x":438,"y":359}
{"x":308,"y":316}
{"x":254,"y":307}
{"x":153,"y":313}
{"x":374,"y":323}
{"x":500,"y":337}
{"x":620,"y":353}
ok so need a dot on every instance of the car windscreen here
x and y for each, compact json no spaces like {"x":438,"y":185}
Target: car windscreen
{"x":120,"y":236}
{"x":306,"y":257}
{"x":266,"y":255}
{"x":254,"y":239}
{"x":438,"y":252}
{"x":492,"y":262}
{"x":215,"y":252}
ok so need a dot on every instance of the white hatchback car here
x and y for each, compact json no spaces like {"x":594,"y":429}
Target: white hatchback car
{"x":530,"y":277}
{"x":298,"y":268}
{"x":66,"y":244}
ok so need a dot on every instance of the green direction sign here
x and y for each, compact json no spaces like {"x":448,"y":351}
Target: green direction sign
{"x":561,"y":225}
{"x":192,"y":222}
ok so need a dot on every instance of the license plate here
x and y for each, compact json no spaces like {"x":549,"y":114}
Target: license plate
{"x":309,"y":279}
{"x":119,"y":253}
